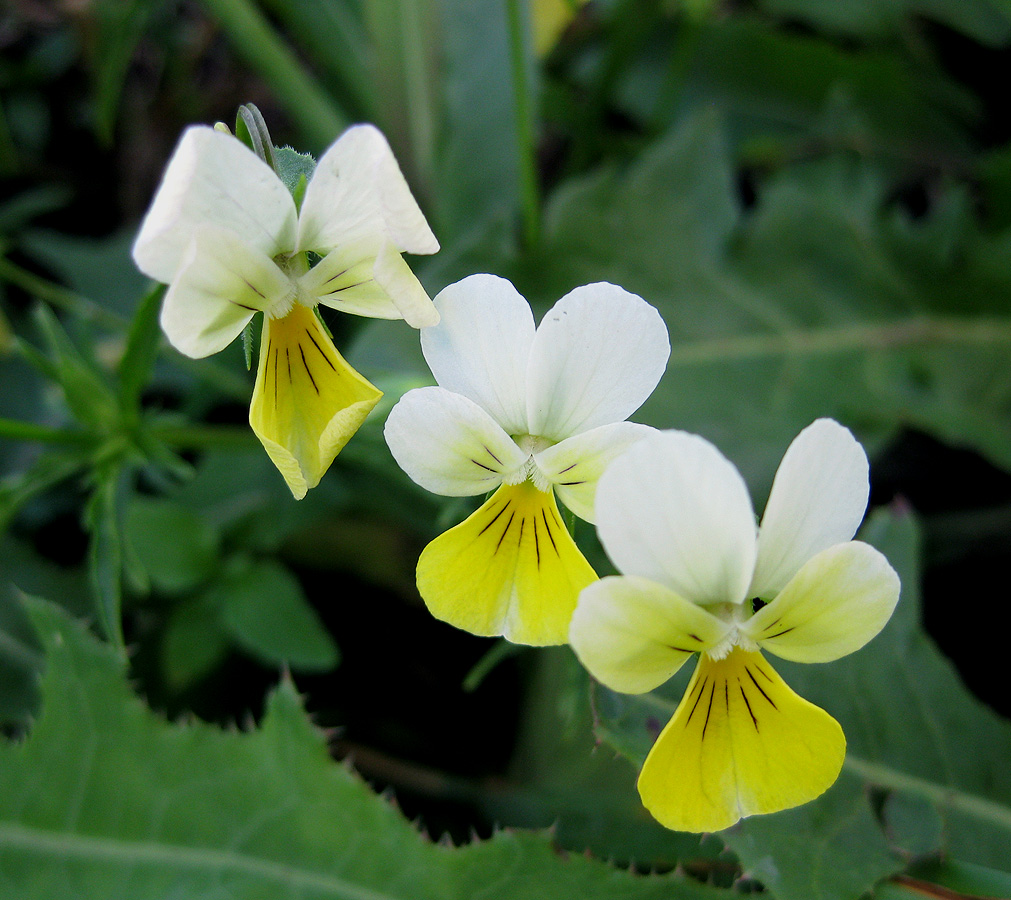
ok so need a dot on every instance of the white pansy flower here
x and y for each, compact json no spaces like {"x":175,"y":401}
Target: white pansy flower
{"x":699,"y":577}
{"x":224,"y":233}
{"x":528,"y":412}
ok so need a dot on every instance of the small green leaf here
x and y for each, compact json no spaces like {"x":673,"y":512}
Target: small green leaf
{"x":266,"y":613}
{"x":103,"y":520}
{"x":176,"y":547}
{"x":294,"y":169}
{"x":142,"y":342}
{"x":193,"y":644}
{"x":251,"y":129}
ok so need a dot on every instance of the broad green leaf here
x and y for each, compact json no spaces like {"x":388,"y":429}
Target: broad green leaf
{"x":980,"y":20}
{"x":811,"y":305}
{"x":176,"y":548}
{"x":265,"y":611}
{"x":294,"y":169}
{"x":106,"y":799}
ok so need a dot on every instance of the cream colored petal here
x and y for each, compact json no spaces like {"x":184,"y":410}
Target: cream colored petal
{"x":358,"y":192}
{"x":673,"y":509}
{"x":213,"y":179}
{"x":509,"y":569}
{"x":818,"y":500}
{"x":307,"y":401}
{"x":481,"y":346}
{"x":574,"y":466}
{"x":449,"y":445}
{"x":741,"y":743}
{"x":220,"y":285}
{"x":597,"y":356}
{"x":834,"y":605}
{"x":633,"y":634}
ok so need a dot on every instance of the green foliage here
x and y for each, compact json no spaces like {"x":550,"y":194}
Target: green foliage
{"x":104,"y":798}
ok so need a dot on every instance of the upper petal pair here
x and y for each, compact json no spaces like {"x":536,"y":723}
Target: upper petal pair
{"x":692,"y":527}
{"x":594,"y":359}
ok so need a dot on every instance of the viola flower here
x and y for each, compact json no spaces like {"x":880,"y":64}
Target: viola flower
{"x":675,"y":517}
{"x":527,"y":413}
{"x":226,"y":235}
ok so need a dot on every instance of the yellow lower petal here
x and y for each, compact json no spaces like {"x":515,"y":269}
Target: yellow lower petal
{"x":307,"y":401}
{"x":509,"y":569}
{"x":740,"y":743}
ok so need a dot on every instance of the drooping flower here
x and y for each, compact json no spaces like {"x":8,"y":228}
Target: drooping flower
{"x":698,"y":577}
{"x":527,"y":413}
{"x":225,"y":234}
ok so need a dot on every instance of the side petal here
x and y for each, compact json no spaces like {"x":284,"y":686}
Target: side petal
{"x":213,"y":179}
{"x":597,"y":356}
{"x":481,"y":346}
{"x":510,"y":569}
{"x":673,"y":509}
{"x":371,"y":280}
{"x":220,"y":285}
{"x":307,"y":401}
{"x":449,"y":445}
{"x":741,"y":743}
{"x":574,"y":466}
{"x":633,"y":634}
{"x":818,"y":499}
{"x":834,"y":605}
{"x":357,"y":192}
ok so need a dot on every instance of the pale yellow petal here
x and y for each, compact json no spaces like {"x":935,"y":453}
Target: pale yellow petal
{"x":509,"y":569}
{"x":740,"y":743}
{"x":307,"y":401}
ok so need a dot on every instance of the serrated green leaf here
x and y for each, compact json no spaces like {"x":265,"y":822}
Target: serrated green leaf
{"x":294,"y":168}
{"x":265,"y":611}
{"x":106,"y":799}
{"x":176,"y":547}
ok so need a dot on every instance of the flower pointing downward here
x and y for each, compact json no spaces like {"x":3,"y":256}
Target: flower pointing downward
{"x":527,"y":413}
{"x":675,"y":517}
{"x":224,"y":233}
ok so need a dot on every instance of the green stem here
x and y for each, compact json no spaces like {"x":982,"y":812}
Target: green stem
{"x":304,"y":98}
{"x":815,"y":341}
{"x":943,"y":795}
{"x":518,"y":55}
{"x":202,"y":437}
{"x":58,"y":296}
{"x":15,"y":430}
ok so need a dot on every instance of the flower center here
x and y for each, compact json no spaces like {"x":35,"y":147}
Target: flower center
{"x":735,"y":614}
{"x":531,"y":444}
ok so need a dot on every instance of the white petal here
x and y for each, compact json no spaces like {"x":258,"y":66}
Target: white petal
{"x":213,"y":179}
{"x":673,"y":509}
{"x":449,"y":445}
{"x":358,"y":192}
{"x":818,"y":500}
{"x":633,"y":634}
{"x":575,"y":465}
{"x":400,"y":283}
{"x":481,"y":346}
{"x":835,"y":604}
{"x":597,"y":356}
{"x":221,"y":284}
